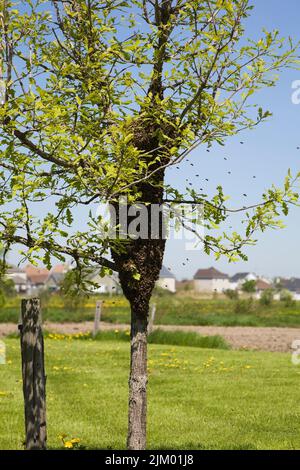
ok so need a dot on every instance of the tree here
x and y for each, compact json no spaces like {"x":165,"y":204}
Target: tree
{"x":99,"y":98}
{"x":267,"y":297}
{"x":249,"y":287}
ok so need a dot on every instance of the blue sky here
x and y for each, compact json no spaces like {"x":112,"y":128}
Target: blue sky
{"x":267,"y":153}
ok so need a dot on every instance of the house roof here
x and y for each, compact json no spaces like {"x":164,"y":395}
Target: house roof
{"x":165,"y":273}
{"x":239,"y":276}
{"x":57,"y":277}
{"x":262,"y":285}
{"x":37,"y":275}
{"x":60,"y":268}
{"x":291,"y":284}
{"x":210,"y":273}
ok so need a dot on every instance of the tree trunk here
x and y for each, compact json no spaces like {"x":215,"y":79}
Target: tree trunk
{"x":146,"y":256}
{"x":137,"y":412}
{"x":142,"y":256}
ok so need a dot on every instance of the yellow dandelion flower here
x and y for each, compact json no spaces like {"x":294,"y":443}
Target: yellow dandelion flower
{"x":68,"y":445}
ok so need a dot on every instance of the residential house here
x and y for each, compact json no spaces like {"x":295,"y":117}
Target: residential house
{"x":166,"y":280}
{"x":36,"y":277}
{"x":292,"y":285}
{"x":261,"y":286}
{"x":54,"y":281}
{"x":56,"y":277}
{"x":105,"y":285}
{"x":240,"y":278}
{"x":211,"y":280}
{"x":19,"y":278}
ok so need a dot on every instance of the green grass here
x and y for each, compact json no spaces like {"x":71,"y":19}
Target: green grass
{"x":172,"y":338}
{"x":180,"y":338}
{"x":198,"y":398}
{"x":171,"y":310}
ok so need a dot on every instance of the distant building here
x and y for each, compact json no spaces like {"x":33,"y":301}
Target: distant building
{"x":261,"y":286}
{"x":105,"y":285}
{"x":56,"y":277}
{"x":211,"y":280}
{"x":54,"y":281}
{"x":36,"y":277}
{"x":19,"y":278}
{"x":292,"y":285}
{"x":166,"y":280}
{"x":240,"y":278}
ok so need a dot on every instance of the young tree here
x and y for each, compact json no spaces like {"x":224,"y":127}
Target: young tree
{"x":99,"y":98}
{"x":249,"y":287}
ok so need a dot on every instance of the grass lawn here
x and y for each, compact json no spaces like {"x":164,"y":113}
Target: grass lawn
{"x":179,"y":309}
{"x":198,"y":398}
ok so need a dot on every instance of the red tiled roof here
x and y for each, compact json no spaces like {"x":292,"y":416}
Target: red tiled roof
{"x":36,"y":275}
{"x":262,"y":285}
{"x":210,"y":273}
{"x":60,"y":268}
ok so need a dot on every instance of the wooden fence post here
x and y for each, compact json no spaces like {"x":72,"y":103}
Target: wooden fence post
{"x":97,"y":317}
{"x":152,"y":318}
{"x":33,"y":373}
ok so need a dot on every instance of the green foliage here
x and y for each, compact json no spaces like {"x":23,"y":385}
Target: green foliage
{"x":2,"y":299}
{"x":249,"y":287}
{"x":231,"y":294}
{"x":88,"y":113}
{"x":180,"y":338}
{"x":171,"y":310}
{"x":173,"y":338}
{"x":267,"y":297}
{"x":7,"y":287}
{"x":287,"y":298}
{"x":245,"y":306}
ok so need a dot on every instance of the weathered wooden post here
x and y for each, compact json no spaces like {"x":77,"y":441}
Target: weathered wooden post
{"x":152,"y":318}
{"x":97,"y":317}
{"x":33,"y":373}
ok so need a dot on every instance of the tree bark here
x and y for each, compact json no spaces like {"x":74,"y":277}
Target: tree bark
{"x":146,"y":256}
{"x":137,"y":412}
{"x":142,"y":256}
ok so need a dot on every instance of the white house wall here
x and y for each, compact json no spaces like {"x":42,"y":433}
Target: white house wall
{"x":212,"y":285}
{"x":167,"y":283}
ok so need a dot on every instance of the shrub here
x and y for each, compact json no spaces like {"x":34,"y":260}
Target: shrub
{"x":231,"y":294}
{"x":287,"y":299}
{"x":7,"y":287}
{"x":245,"y":306}
{"x":267,"y":297}
{"x":2,"y":299}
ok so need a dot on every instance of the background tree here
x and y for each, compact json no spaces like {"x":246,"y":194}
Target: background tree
{"x":249,"y":287}
{"x":98,"y":99}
